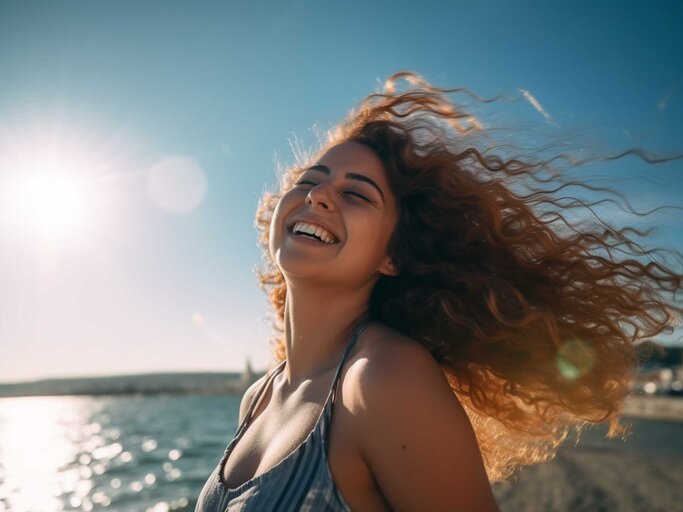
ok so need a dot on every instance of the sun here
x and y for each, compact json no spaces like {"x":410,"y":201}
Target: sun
{"x":48,"y":189}
{"x":51,"y":204}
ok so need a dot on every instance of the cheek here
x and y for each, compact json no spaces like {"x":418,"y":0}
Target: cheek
{"x":372,"y":236}
{"x":277,"y":222}
{"x":383,"y":233}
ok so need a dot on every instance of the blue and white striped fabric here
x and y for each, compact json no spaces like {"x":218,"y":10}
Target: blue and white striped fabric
{"x":300,"y":482}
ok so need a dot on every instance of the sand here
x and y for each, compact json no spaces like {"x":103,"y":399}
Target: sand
{"x":644,"y":473}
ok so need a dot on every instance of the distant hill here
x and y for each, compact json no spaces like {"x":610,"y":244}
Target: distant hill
{"x":153,"y":383}
{"x":649,"y":354}
{"x":654,"y":354}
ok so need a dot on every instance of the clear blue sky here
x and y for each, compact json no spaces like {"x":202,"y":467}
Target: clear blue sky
{"x":124,"y":277}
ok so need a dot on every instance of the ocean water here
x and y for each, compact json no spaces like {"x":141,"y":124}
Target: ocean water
{"x":154,"y":453}
{"x":132,"y":453}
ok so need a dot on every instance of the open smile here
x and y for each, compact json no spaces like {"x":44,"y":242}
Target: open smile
{"x":308,"y":239}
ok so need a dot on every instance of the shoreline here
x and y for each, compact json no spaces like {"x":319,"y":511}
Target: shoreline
{"x":667,"y":408}
{"x":654,"y":407}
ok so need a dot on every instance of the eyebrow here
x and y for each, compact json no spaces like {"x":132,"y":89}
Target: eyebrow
{"x":351,"y":175}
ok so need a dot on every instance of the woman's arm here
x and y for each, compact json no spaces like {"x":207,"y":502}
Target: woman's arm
{"x":415,"y":436}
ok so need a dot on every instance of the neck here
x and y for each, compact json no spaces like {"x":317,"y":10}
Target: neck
{"x":318,"y":323}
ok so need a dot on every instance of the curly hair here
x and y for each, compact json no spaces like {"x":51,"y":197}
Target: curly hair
{"x":532,"y":315}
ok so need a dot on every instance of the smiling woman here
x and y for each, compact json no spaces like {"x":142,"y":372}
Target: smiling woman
{"x":357,"y":221}
{"x":440,"y":320}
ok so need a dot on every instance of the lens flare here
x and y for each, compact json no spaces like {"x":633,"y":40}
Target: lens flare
{"x":177,"y":184}
{"x":575,"y":358}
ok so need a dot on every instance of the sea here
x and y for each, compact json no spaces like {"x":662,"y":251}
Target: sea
{"x":127,"y":453}
{"x":155,"y":452}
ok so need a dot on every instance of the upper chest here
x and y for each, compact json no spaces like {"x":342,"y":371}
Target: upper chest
{"x":278,"y":426}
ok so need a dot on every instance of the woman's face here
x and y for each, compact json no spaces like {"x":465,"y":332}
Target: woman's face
{"x":347,"y":194}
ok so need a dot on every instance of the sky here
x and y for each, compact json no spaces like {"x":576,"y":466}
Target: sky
{"x":136,"y":139}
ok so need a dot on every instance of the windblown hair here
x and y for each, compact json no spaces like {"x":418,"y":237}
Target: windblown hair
{"x":532,"y":314}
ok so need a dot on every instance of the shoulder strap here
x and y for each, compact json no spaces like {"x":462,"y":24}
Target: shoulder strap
{"x":333,"y":388}
{"x":258,"y":398}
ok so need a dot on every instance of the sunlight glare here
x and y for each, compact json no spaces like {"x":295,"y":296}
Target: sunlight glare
{"x":48,"y":181}
{"x":52,"y":205}
{"x":36,"y":452}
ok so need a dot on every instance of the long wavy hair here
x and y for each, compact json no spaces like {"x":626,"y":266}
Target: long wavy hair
{"x":532,"y":313}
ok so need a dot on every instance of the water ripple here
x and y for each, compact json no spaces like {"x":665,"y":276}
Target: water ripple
{"x":124,"y":453}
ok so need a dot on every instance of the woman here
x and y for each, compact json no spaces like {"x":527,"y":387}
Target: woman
{"x":437,"y":329}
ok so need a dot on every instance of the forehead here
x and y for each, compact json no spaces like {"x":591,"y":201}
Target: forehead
{"x":354,"y":156}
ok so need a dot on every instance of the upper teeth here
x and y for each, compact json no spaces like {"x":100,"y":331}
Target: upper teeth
{"x":312,"y":229}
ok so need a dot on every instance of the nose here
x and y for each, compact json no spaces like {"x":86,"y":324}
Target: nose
{"x":320,"y":195}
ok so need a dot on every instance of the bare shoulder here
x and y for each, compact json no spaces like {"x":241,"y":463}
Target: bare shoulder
{"x":411,"y":428}
{"x":393,"y":366}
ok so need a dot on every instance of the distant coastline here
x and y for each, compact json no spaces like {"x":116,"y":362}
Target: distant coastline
{"x":147,"y":384}
{"x":659,"y":407}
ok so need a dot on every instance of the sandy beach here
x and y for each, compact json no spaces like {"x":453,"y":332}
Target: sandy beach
{"x":644,"y":473}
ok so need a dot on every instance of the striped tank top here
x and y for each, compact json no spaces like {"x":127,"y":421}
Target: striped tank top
{"x":300,"y":482}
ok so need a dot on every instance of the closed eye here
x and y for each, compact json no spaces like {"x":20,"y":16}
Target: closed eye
{"x":359,"y":195}
{"x":349,"y":192}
